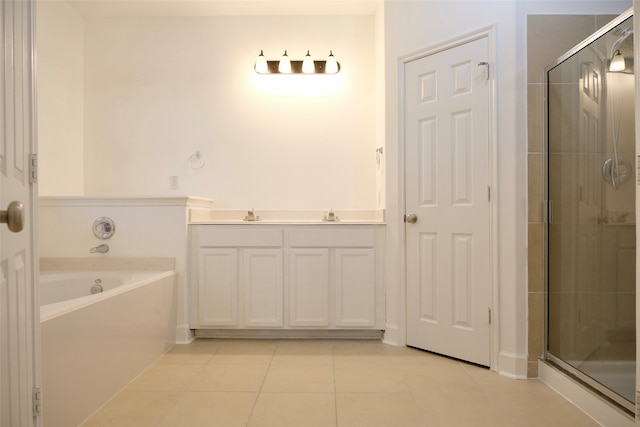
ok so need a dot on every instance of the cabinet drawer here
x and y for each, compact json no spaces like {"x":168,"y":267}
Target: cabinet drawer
{"x":333,"y":238}
{"x":240,"y":237}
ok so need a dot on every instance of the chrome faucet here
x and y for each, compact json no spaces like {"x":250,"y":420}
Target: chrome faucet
{"x":251,"y":216}
{"x":100,"y":249}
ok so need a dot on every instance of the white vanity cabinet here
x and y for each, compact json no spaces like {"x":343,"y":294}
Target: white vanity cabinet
{"x":332,"y":277}
{"x":285,"y":276}
{"x":239,"y":276}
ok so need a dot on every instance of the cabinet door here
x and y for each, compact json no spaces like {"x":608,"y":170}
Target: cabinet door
{"x":355,"y":287}
{"x":218,"y":287}
{"x":309,"y":287}
{"x":262,"y":278}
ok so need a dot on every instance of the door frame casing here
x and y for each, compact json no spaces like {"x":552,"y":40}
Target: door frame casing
{"x":489,"y":34}
{"x":35,"y":205}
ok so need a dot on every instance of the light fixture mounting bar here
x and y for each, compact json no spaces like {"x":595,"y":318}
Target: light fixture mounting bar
{"x":300,"y":66}
{"x":296,"y":67}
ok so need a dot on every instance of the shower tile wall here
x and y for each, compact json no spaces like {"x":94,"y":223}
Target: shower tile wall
{"x":548,"y":37}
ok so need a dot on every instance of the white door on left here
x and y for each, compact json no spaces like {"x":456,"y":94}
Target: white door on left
{"x":19,"y":307}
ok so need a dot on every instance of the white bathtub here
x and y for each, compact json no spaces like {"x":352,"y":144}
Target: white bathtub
{"x":61,"y":292}
{"x":94,"y":345}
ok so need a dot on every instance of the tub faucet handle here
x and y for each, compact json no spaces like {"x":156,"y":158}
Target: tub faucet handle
{"x":100,"y":249}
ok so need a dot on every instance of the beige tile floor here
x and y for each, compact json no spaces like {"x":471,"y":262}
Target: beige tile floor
{"x":327,"y":383}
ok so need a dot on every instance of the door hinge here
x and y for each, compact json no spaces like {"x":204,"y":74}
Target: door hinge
{"x":489,"y":312}
{"x":33,"y":168}
{"x":486,"y":65}
{"x":488,"y":192}
{"x":37,"y":401}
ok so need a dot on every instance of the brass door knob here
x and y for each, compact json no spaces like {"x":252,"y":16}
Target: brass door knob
{"x":13,"y":216}
{"x":411,"y":218}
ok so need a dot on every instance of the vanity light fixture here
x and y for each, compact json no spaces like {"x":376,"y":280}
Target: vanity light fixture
{"x":308,"y":65}
{"x":617,"y":62}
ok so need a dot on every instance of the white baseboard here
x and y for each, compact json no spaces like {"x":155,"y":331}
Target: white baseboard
{"x":368,"y":334}
{"x":513,"y":365}
{"x":393,"y":336}
{"x":184,"y":334}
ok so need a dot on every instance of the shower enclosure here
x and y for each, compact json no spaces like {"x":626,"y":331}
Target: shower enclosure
{"x":591,"y":213}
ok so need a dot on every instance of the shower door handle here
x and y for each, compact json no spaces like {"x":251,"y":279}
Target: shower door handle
{"x":13,"y":216}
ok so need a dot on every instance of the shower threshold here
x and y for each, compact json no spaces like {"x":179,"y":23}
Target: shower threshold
{"x":594,"y":386}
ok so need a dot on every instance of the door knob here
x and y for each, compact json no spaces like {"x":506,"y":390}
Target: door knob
{"x":411,"y":218}
{"x":13,"y":216}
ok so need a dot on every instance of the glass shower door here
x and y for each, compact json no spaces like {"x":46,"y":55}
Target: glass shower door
{"x":591,"y":212}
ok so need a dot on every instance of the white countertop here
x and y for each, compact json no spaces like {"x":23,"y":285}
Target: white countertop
{"x":292,"y":217}
{"x":286,"y":222}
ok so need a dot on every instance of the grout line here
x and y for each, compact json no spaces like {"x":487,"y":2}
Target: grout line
{"x":335,"y":390}
{"x":183,"y":395}
{"x":255,"y":402}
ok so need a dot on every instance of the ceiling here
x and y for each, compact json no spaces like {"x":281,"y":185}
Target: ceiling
{"x":114,"y":8}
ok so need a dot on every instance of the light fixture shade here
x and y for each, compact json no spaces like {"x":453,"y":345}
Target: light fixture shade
{"x":285,"y":64}
{"x":261,"y":64}
{"x":331,"y":66}
{"x":308,"y":66}
{"x":617,"y":62}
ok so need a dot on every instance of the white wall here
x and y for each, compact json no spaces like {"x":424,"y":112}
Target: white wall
{"x":60,"y":47}
{"x":146,"y":93}
{"x":381,"y":189}
{"x":141,"y":231}
{"x":159,"y":89}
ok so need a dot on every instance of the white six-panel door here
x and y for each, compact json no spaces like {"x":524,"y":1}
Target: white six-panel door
{"x":19,"y":308}
{"x":447,"y":189}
